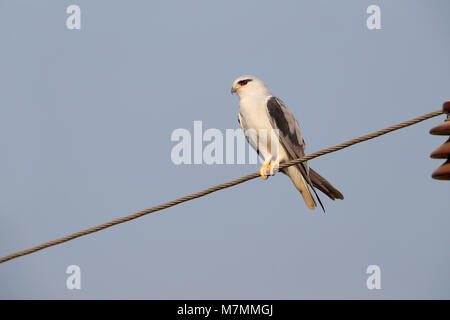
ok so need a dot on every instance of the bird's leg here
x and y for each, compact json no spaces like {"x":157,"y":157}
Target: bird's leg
{"x":269,"y":168}
{"x":265,"y":169}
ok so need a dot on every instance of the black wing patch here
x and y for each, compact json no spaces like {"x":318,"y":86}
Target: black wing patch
{"x":277,"y":114}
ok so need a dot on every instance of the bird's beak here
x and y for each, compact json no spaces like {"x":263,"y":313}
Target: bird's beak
{"x":233,"y":89}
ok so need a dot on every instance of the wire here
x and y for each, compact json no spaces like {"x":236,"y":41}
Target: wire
{"x":219,"y":187}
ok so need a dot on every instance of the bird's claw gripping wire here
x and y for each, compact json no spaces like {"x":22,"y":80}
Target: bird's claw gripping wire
{"x":268,"y":170}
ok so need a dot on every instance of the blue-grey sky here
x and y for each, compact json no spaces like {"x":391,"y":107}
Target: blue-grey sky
{"x":85,"y":123}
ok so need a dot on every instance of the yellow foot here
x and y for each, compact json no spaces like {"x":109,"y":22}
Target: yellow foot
{"x":265,"y":171}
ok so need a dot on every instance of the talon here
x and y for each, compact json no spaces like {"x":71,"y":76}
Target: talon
{"x":265,"y":171}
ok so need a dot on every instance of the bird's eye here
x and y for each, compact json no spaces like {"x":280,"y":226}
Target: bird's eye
{"x":243,"y":82}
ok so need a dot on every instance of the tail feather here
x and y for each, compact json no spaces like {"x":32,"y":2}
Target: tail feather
{"x":323,"y":185}
{"x":301,"y":185}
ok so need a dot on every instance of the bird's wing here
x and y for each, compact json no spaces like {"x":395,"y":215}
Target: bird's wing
{"x":239,"y":120}
{"x":281,"y":118}
{"x":291,"y":139}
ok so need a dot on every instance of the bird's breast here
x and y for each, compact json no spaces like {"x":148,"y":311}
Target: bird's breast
{"x":254,"y":112}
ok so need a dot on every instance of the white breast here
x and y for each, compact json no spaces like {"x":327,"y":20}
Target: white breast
{"x":253,"y":110}
{"x":254,"y":116}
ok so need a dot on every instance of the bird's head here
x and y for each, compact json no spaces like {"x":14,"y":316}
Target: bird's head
{"x":248,"y":85}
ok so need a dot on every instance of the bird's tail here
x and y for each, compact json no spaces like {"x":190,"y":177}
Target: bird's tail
{"x":300,"y":183}
{"x":323,"y":185}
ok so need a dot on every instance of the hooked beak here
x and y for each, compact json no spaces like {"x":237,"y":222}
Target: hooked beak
{"x":233,"y":89}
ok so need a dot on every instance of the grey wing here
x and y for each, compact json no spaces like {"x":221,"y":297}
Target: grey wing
{"x":291,"y":138}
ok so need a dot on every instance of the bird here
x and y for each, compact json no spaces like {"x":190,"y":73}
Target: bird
{"x":272,"y":130}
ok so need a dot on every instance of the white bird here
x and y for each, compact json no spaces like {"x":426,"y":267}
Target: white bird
{"x":262,"y":113}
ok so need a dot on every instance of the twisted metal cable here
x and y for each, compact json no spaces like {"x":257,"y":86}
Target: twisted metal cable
{"x":220,"y":187}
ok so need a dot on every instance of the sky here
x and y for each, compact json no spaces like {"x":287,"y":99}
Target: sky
{"x":86,"y":118}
